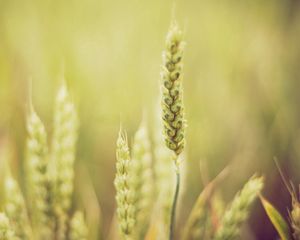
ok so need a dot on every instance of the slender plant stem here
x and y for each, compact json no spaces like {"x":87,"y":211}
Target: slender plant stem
{"x":173,"y":211}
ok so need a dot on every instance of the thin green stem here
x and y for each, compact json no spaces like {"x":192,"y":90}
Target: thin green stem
{"x":175,"y":199}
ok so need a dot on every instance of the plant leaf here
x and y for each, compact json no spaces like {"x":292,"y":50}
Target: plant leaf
{"x":277,"y":220}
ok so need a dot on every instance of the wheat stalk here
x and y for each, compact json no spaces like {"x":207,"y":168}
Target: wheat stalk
{"x":125,"y":194}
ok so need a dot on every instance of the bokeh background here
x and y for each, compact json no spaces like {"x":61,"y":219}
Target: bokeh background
{"x":241,"y":83}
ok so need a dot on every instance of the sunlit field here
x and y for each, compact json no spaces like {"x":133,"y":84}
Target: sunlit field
{"x":155,"y":120}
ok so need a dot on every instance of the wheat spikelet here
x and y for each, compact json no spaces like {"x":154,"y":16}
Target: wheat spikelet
{"x":142,"y":179}
{"x":238,"y":211}
{"x":40,"y":186}
{"x":78,"y":228}
{"x":63,"y":153}
{"x":15,"y":209}
{"x":125,"y":195}
{"x":295,"y":216}
{"x":172,"y":103}
{"x":295,"y":222}
{"x":6,"y":232}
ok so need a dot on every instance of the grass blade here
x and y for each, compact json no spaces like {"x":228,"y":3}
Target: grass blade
{"x":277,"y":220}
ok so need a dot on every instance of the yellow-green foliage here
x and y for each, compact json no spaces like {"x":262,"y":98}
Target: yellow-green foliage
{"x":50,"y":175}
{"x":125,"y":195}
{"x":240,"y":78}
{"x":49,"y":181}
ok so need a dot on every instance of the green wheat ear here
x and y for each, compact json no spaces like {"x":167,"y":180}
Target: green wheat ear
{"x":172,"y":102}
{"x":172,"y":106}
{"x":15,"y":209}
{"x":238,"y":211}
{"x":6,"y":232}
{"x":40,"y":186}
{"x":78,"y":228}
{"x":63,"y":145}
{"x":142,"y":179}
{"x":125,"y":194}
{"x":63,"y":154}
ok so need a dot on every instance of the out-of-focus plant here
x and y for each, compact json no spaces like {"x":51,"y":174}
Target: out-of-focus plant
{"x":134,"y":170}
{"x":46,"y":215}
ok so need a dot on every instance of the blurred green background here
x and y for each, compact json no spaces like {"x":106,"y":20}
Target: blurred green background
{"x":241,"y":84}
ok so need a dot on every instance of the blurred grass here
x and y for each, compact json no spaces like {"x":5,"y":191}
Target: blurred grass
{"x":241,"y":80}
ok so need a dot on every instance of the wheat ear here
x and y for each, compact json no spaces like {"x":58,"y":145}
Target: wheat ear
{"x":63,"y":154}
{"x":295,"y":215}
{"x":15,"y":208}
{"x":238,"y":211}
{"x":142,"y":179}
{"x":40,"y":186}
{"x":125,"y":194}
{"x":172,"y":104}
